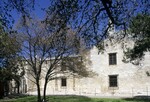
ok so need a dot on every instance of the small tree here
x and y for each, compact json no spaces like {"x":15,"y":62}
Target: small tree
{"x":43,"y":42}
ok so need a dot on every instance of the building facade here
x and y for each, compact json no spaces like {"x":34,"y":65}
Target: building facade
{"x":114,"y":77}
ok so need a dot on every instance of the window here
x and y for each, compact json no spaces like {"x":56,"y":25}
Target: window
{"x":113,"y":82}
{"x":63,"y":82}
{"x":112,"y":59}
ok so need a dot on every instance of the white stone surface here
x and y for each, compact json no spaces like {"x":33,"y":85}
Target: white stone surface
{"x":132,"y":79}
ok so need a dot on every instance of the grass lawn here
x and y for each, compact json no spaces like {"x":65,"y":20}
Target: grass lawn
{"x":73,"y":99}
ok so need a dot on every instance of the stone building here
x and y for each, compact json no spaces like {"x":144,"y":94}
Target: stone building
{"x":114,"y":76}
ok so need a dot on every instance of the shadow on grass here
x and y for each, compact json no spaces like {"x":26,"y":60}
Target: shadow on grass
{"x":138,"y":99}
{"x":68,"y":98}
{"x":75,"y":98}
{"x":52,"y":98}
{"x":16,"y":96}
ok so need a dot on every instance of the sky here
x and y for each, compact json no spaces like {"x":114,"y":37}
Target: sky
{"x":38,"y":12}
{"x":41,"y":4}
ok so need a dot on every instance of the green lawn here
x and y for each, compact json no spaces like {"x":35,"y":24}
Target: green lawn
{"x":72,"y":99}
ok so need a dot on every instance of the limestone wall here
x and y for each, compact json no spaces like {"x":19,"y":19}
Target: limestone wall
{"x":132,"y":79}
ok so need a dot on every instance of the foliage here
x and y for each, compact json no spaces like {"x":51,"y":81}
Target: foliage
{"x":23,"y":7}
{"x":87,"y":19}
{"x":76,"y":66}
{"x":48,"y":45}
{"x":140,"y":33}
{"x":9,"y":59}
{"x":90,"y":18}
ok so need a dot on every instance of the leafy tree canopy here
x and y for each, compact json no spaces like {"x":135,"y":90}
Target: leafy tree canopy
{"x":9,"y":58}
{"x":140,"y":33}
{"x":90,"y":18}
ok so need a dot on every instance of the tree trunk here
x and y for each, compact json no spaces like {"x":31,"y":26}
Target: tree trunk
{"x":1,"y":89}
{"x":6,"y":88}
{"x":39,"y":92}
{"x":18,"y":85}
{"x":44,"y":94}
